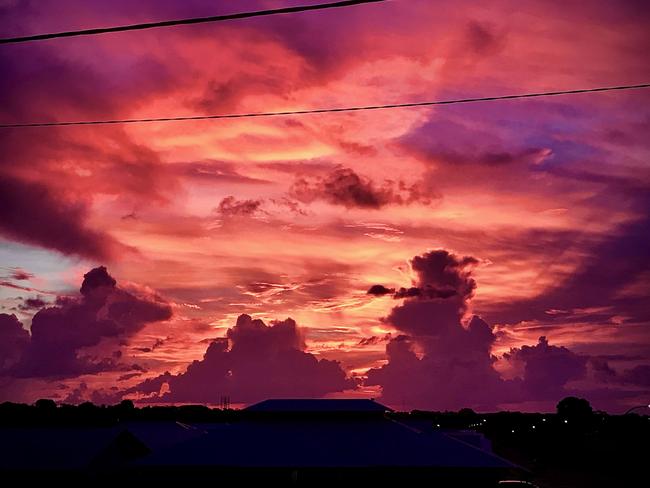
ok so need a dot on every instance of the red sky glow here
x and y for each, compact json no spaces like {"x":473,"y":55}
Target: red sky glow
{"x":510,"y":238}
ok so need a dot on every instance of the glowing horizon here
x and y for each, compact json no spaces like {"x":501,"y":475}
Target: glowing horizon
{"x":298,"y":217}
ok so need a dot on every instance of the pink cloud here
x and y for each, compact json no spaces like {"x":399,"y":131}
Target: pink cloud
{"x":254,"y":362}
{"x":443,"y":364}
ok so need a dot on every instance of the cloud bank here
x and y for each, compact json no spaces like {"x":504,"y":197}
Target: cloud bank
{"x":252,"y":363}
{"x":442,"y":360}
{"x":59,"y":334}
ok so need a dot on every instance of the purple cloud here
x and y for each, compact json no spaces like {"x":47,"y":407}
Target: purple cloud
{"x":379,"y":290}
{"x":32,"y":304}
{"x":60,"y":333}
{"x":32,"y":213}
{"x":252,"y":363}
{"x":440,"y":363}
{"x":13,"y":340}
{"x":548,"y":368}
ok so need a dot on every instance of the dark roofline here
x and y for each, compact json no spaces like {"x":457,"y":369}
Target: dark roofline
{"x":319,"y":405}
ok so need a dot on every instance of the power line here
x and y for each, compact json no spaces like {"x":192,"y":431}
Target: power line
{"x":325,"y":110}
{"x":196,"y":20}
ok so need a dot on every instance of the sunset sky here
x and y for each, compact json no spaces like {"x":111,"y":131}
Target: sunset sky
{"x":510,"y":238}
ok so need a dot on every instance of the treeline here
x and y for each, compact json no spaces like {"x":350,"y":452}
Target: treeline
{"x":572,"y":415}
{"x":574,"y":447}
{"x":46,"y":412}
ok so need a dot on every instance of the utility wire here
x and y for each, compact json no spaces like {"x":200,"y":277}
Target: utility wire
{"x":325,"y":110}
{"x":196,"y":20}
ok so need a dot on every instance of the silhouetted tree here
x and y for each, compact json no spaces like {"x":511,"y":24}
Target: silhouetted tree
{"x":574,"y":407}
{"x":467,"y":412}
{"x":45,"y":404}
{"x":126,"y":405}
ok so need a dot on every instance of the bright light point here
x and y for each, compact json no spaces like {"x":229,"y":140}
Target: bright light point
{"x":566,"y":421}
{"x":533,"y":426}
{"x":543,"y":420}
{"x":513,"y":431}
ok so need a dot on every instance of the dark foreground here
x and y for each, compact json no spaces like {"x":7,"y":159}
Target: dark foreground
{"x":127,"y":445}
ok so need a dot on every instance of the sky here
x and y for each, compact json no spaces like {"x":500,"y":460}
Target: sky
{"x":490,"y":255}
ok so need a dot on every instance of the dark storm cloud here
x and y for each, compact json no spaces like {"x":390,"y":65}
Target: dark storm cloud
{"x":440,"y":274}
{"x":616,"y":262}
{"x":255,"y":362}
{"x":60,"y":333}
{"x":32,"y":304}
{"x":456,"y":368}
{"x":345,"y":187}
{"x":443,"y":285}
{"x":373,"y":340}
{"x":13,"y":340}
{"x":410,"y":292}
{"x":231,"y":207}
{"x":548,"y":368}
{"x":34,"y":214}
{"x":439,"y":363}
{"x":48,"y":179}
{"x":97,"y":279}
{"x":379,"y":290}
{"x":636,"y":376}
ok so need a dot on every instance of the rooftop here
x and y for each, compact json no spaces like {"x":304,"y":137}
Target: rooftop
{"x":323,"y":443}
{"x":312,"y":405}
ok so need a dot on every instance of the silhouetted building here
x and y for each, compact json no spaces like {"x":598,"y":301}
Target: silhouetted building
{"x":317,"y":405}
{"x":316,"y":441}
{"x":161,"y":435}
{"x":42,"y":450}
{"x":291,"y":441}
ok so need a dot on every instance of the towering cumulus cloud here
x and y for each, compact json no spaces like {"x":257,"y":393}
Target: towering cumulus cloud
{"x":440,"y":363}
{"x":59,"y":334}
{"x":252,"y":363}
{"x":443,"y":358}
